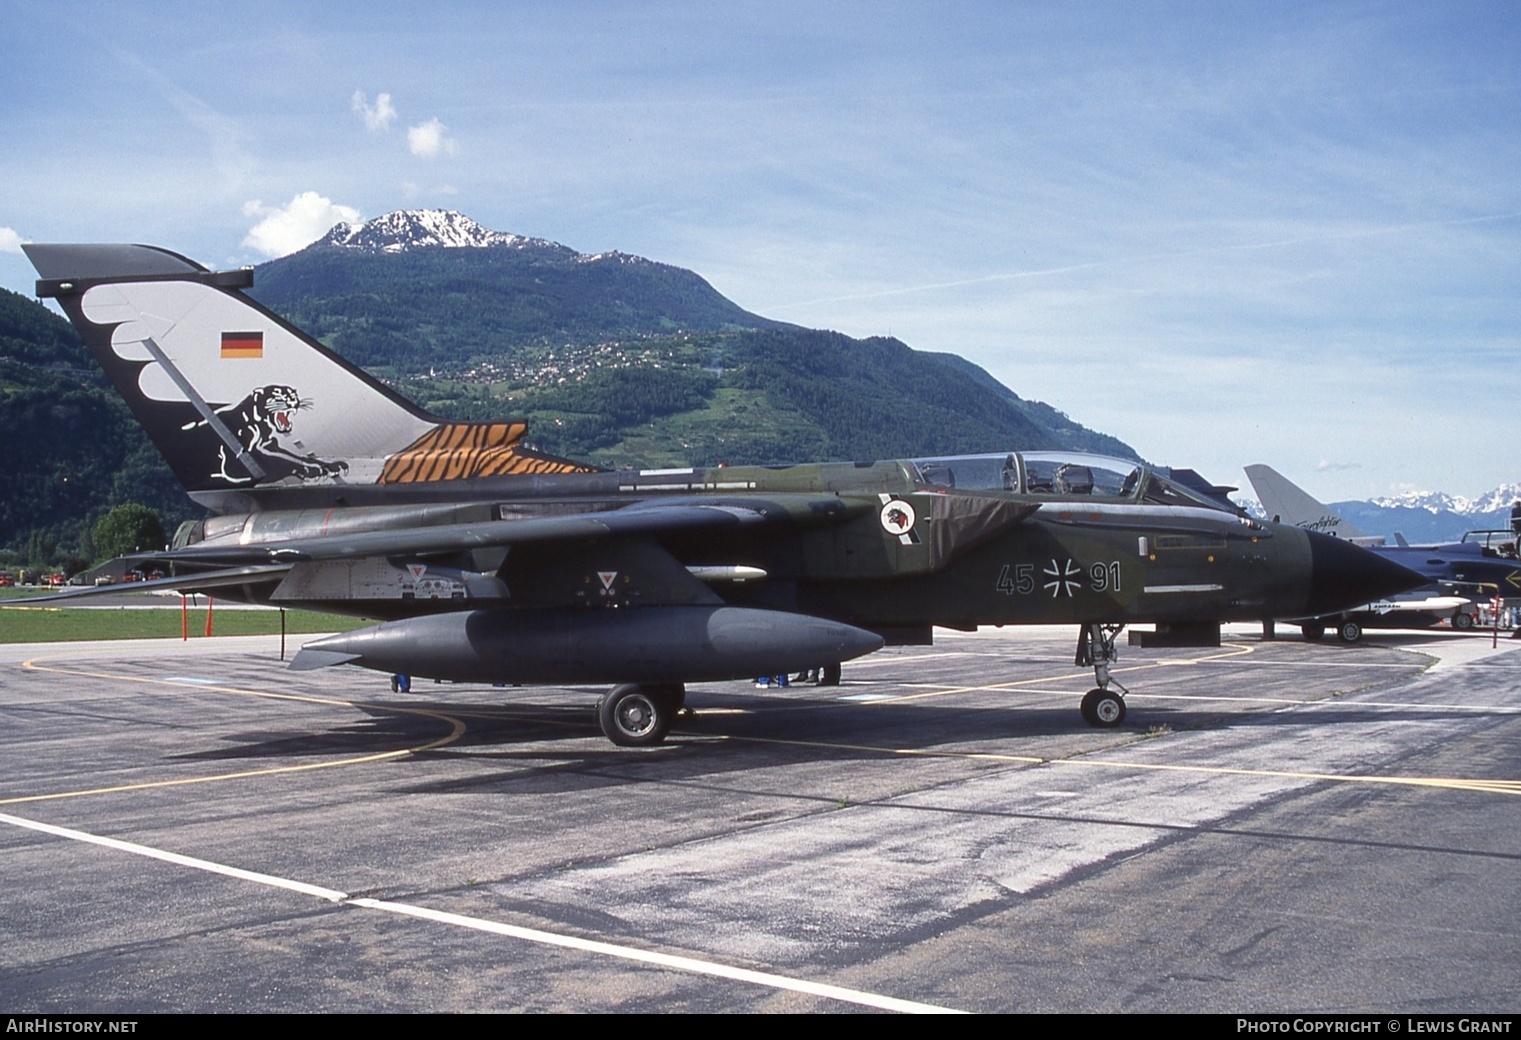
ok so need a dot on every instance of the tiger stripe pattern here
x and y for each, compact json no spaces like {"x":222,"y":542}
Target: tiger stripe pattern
{"x":459,"y":451}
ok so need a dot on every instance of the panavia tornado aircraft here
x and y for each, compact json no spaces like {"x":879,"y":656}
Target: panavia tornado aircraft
{"x":488,"y":561}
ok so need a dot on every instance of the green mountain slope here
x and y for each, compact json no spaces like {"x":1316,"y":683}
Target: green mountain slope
{"x":752,"y":397}
{"x":434,"y":305}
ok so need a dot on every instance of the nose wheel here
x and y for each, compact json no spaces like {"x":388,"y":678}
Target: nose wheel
{"x":1101,"y":706}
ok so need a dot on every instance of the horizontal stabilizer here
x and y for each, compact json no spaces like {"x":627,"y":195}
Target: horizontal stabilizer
{"x":206,"y":581}
{"x":89,"y":262}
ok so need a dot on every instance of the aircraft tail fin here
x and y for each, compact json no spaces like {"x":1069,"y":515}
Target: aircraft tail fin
{"x":236,"y":398}
{"x":1291,"y":504}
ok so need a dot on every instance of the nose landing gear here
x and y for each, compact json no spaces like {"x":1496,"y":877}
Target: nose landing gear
{"x":1101,"y":706}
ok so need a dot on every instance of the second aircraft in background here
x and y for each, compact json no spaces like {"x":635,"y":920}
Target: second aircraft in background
{"x":1480,"y":566}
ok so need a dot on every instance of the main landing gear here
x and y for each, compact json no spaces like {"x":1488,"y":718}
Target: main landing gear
{"x":1347,"y":630}
{"x":1101,"y":707}
{"x":640,"y":714}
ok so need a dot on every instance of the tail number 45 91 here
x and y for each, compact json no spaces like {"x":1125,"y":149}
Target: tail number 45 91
{"x":1057,"y":578}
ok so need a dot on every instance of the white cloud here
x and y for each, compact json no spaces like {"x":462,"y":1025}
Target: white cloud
{"x":377,"y":117}
{"x":299,"y":223}
{"x":1327,"y":466}
{"x":427,"y":140}
{"x":10,"y":242}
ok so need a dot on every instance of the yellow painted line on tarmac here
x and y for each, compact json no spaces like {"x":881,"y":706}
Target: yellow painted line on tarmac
{"x":1234,"y":651}
{"x":456,"y":730}
{"x":1027,"y":760}
{"x":215,"y":777}
{"x":935,"y":690}
{"x":1449,"y":782}
{"x":32,"y":665}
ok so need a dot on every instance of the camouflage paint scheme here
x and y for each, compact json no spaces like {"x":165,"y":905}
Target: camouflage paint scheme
{"x":495,"y":562}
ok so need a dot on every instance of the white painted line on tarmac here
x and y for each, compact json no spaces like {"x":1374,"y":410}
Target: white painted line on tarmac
{"x":174,"y":857}
{"x":1350,"y":700}
{"x":663,"y":960}
{"x":910,"y":658}
{"x":1359,"y":665}
{"x":534,"y":935}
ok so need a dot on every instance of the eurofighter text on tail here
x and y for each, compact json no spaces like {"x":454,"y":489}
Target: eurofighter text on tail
{"x":487,"y":561}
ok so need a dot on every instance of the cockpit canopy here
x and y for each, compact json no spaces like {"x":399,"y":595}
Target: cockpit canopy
{"x":1057,"y":473}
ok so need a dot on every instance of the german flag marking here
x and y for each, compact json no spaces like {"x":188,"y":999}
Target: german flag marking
{"x":242,"y":344}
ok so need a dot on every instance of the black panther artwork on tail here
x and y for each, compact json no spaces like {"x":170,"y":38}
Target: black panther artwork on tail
{"x":259,"y":423}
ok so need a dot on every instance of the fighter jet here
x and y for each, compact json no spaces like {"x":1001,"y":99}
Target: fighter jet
{"x":488,"y":561}
{"x":1455,"y":572}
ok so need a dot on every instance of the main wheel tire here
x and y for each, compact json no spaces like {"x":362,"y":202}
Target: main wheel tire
{"x":1313,"y":632}
{"x":1349,"y":631}
{"x":636,"y":716}
{"x":1103,"y":708}
{"x":674,"y":695}
{"x":1462,"y":621}
{"x":1086,"y":707}
{"x":830,"y":675}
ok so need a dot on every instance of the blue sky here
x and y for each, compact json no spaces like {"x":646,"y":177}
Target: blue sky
{"x":1226,"y":233}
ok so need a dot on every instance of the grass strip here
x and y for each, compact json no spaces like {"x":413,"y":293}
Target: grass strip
{"x":41,"y":624}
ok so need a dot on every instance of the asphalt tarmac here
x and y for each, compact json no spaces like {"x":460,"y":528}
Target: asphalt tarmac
{"x":1279,"y":826}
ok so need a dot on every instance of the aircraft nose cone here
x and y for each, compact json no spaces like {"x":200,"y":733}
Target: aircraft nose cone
{"x":1344,"y":575}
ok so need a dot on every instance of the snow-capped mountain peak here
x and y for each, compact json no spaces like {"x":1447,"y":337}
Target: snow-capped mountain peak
{"x":1439,"y":502}
{"x":414,"y":228}
{"x":1502,"y":497}
{"x":419,"y":228}
{"x":1431,"y":501}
